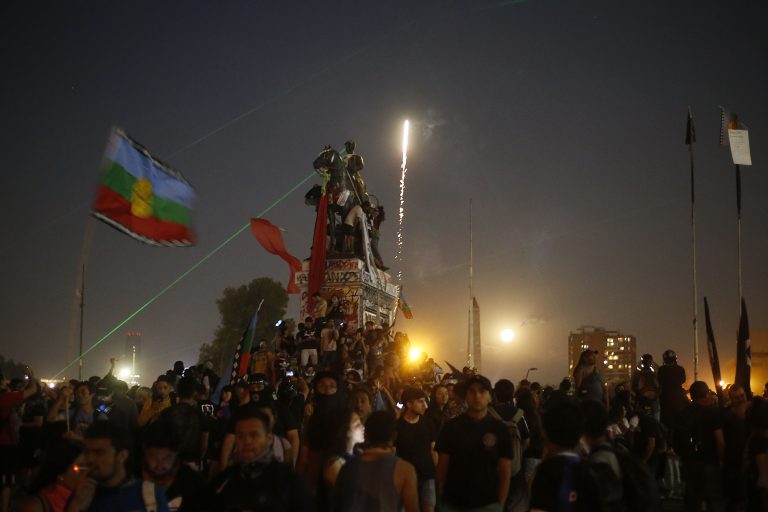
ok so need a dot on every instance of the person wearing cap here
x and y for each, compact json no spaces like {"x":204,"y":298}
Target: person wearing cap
{"x":672,"y":397}
{"x":474,"y":454}
{"x":587,"y":380}
{"x":416,"y":444}
{"x":700,"y":443}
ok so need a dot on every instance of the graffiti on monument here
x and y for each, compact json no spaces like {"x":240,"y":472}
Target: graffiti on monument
{"x":339,"y":265}
{"x":331,"y":277}
{"x":343,"y":306}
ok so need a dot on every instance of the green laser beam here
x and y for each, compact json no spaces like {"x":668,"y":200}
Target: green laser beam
{"x":185,"y":274}
{"x":285,"y":92}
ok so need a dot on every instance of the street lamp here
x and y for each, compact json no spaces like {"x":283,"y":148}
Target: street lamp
{"x":507,"y":335}
{"x":529,"y":371}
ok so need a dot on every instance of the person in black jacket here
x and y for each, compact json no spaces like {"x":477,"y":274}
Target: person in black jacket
{"x":257,"y":481}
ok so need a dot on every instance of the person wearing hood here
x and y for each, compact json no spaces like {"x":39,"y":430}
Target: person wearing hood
{"x":320,"y":416}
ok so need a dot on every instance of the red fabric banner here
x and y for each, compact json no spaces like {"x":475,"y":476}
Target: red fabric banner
{"x":270,"y":238}
{"x":319,"y":247}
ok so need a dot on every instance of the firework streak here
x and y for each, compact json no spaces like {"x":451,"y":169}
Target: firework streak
{"x":399,"y":255}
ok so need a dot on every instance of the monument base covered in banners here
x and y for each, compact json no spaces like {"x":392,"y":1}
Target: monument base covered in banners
{"x":353,"y":293}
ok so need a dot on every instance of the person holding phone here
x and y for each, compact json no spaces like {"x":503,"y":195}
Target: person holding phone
{"x":160,"y":400}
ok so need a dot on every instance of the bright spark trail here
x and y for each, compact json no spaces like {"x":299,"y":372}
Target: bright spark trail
{"x":399,"y":255}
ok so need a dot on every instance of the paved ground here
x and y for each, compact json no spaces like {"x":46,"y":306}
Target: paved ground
{"x":673,"y":506}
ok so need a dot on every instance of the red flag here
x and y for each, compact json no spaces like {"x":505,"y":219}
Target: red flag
{"x":319,"y":246}
{"x":271,"y":240}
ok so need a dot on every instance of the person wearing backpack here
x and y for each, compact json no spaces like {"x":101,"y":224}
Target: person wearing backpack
{"x":513,"y":417}
{"x":625,"y":483}
{"x":563,"y":481}
{"x":699,"y":441}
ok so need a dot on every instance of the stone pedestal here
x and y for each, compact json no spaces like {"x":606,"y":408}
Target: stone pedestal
{"x":354,"y":294}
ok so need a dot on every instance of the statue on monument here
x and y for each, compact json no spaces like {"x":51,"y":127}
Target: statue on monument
{"x":348,"y":204}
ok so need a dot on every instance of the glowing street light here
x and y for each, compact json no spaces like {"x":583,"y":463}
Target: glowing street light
{"x":125,"y":372}
{"x":414,"y":354}
{"x":507,"y":335}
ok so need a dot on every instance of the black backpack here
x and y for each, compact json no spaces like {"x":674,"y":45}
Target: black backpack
{"x":640,"y":493}
{"x":686,"y":435}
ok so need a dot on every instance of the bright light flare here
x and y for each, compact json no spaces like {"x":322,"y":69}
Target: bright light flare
{"x":414,"y":353}
{"x":399,"y":254}
{"x":507,"y":335}
{"x":723,"y":383}
{"x":125,"y":373}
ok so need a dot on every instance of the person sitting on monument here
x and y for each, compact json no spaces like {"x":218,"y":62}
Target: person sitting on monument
{"x":319,"y":307}
{"x":376,"y":217}
{"x":355,"y":164}
{"x":352,"y":222}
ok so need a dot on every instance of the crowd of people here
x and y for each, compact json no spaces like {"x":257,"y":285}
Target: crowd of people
{"x":326,"y":419}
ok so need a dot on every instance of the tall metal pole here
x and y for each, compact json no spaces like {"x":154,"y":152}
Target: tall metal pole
{"x":82,"y":314}
{"x":690,"y":139}
{"x":738,"y":212}
{"x":133,"y":361}
{"x":471,"y":271}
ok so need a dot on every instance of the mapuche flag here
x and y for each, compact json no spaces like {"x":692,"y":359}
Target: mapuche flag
{"x":404,"y":307}
{"x":268,"y":235}
{"x":743,"y":353}
{"x":714,"y":360}
{"x":243,"y":349}
{"x":142,"y":196}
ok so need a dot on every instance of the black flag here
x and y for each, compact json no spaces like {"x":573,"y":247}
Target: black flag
{"x":714,"y":360}
{"x":743,"y":353}
{"x":690,"y":129}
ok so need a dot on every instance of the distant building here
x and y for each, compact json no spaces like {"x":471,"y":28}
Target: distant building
{"x":617,"y":352}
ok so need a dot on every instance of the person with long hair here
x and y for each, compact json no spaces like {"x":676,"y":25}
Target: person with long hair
{"x":348,"y":432}
{"x":588,"y":381}
{"x":438,"y":405}
{"x":56,"y":478}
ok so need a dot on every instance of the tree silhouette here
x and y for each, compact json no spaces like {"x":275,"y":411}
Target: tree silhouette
{"x":236,"y":307}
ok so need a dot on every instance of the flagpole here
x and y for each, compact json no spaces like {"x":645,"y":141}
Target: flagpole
{"x":738,"y":213}
{"x":471,"y":271}
{"x":690,"y":139}
{"x":82,"y":316}
{"x":79,"y":303}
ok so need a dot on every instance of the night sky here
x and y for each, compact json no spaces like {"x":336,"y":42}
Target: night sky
{"x":563,"y":120}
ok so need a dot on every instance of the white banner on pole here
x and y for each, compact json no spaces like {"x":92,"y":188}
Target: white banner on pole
{"x":739,"y":142}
